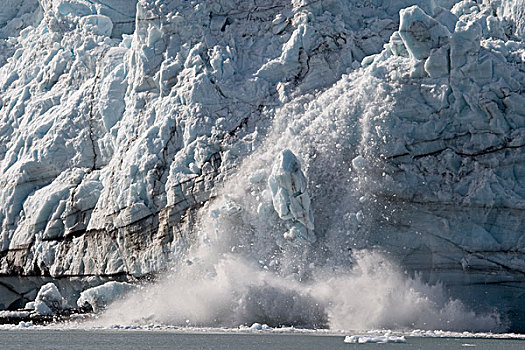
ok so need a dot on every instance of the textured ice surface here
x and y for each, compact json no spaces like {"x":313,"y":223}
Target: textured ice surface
{"x":107,"y":142}
{"x":407,"y":122}
{"x":101,"y":296}
{"x":290,"y":197}
{"x":49,"y":300}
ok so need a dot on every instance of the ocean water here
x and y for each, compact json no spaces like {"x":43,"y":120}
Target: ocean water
{"x":115,"y":340}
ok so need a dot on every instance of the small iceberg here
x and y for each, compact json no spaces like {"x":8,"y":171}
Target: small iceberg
{"x":363,"y":339}
{"x":48,"y":301}
{"x":23,"y":324}
{"x":98,"y":298}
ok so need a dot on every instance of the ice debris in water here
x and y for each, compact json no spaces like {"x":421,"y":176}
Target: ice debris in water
{"x":256,"y":327}
{"x":290,"y":197}
{"x":49,"y":301}
{"x":23,"y":324}
{"x":99,"y":297}
{"x":363,"y":339}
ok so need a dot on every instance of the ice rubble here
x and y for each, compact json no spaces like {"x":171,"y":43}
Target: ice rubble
{"x":381,"y":339}
{"x":111,"y":143}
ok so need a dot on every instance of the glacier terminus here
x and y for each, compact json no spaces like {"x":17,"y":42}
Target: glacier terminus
{"x":334,"y":164}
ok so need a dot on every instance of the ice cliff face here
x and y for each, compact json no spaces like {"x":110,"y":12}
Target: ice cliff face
{"x":110,"y":140}
{"x":120,"y":120}
{"x":445,"y":159}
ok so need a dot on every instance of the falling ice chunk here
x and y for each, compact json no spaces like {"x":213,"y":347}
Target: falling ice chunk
{"x":290,"y":198}
{"x":359,"y":162}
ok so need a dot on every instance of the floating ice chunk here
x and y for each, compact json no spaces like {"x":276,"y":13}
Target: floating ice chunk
{"x":49,"y":301}
{"x":99,"y":297}
{"x":259,"y":327}
{"x":255,"y":327}
{"x":363,"y":339}
{"x":290,"y":197}
{"x":23,"y":324}
{"x":43,"y":309}
{"x":422,"y":332}
{"x":420,"y":32}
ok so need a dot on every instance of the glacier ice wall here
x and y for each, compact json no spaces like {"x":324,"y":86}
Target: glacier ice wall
{"x":108,"y":144}
{"x":122,"y":126}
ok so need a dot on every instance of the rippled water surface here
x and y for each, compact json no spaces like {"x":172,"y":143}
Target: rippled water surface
{"x":115,"y":340}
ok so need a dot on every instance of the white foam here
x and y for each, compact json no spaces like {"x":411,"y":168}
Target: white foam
{"x":235,"y":291}
{"x":381,"y":339}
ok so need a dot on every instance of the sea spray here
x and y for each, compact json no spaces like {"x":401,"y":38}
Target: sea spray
{"x":242,"y":266}
{"x":372,"y":295}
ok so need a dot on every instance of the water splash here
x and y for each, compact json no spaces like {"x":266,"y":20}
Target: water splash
{"x":243,"y":266}
{"x":373,"y":294}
